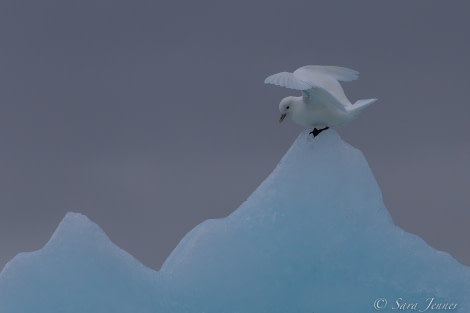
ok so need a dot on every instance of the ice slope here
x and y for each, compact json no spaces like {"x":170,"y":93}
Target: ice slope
{"x":313,"y":237}
{"x":78,"y":270}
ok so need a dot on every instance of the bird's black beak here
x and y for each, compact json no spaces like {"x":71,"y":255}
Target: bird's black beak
{"x":283,"y":116}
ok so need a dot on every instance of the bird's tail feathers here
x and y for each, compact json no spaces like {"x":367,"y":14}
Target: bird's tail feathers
{"x":359,"y":105}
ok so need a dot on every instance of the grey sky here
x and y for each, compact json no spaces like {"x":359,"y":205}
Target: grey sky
{"x":150,"y":117}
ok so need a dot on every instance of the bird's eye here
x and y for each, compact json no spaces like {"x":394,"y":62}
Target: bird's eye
{"x":287,"y":107}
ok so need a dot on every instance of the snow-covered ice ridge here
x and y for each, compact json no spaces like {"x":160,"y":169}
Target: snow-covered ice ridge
{"x":315,"y":236}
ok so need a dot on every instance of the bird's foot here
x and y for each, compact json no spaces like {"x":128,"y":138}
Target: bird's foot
{"x":315,"y":132}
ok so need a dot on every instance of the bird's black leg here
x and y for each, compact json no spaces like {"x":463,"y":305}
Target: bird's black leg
{"x":316,"y":132}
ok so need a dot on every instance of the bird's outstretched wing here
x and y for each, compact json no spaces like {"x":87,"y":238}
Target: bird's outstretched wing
{"x":288,"y":80}
{"x":327,"y":77}
{"x":319,"y":84}
{"x":312,"y":72}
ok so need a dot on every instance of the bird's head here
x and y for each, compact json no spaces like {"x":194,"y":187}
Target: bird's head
{"x":285,"y":107}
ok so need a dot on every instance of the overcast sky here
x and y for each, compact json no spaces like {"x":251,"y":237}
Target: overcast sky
{"x":152,"y":116}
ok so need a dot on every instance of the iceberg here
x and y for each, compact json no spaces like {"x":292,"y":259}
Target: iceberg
{"x":315,"y":236}
{"x":78,"y":270}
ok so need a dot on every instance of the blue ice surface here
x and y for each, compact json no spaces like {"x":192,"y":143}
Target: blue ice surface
{"x":315,"y":236}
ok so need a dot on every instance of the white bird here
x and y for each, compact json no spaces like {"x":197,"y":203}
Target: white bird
{"x":323,"y":103}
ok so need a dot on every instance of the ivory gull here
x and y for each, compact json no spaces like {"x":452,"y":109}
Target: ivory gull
{"x":323,"y":103}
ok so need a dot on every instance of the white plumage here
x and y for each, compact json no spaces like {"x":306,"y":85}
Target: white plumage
{"x":323,"y":102}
